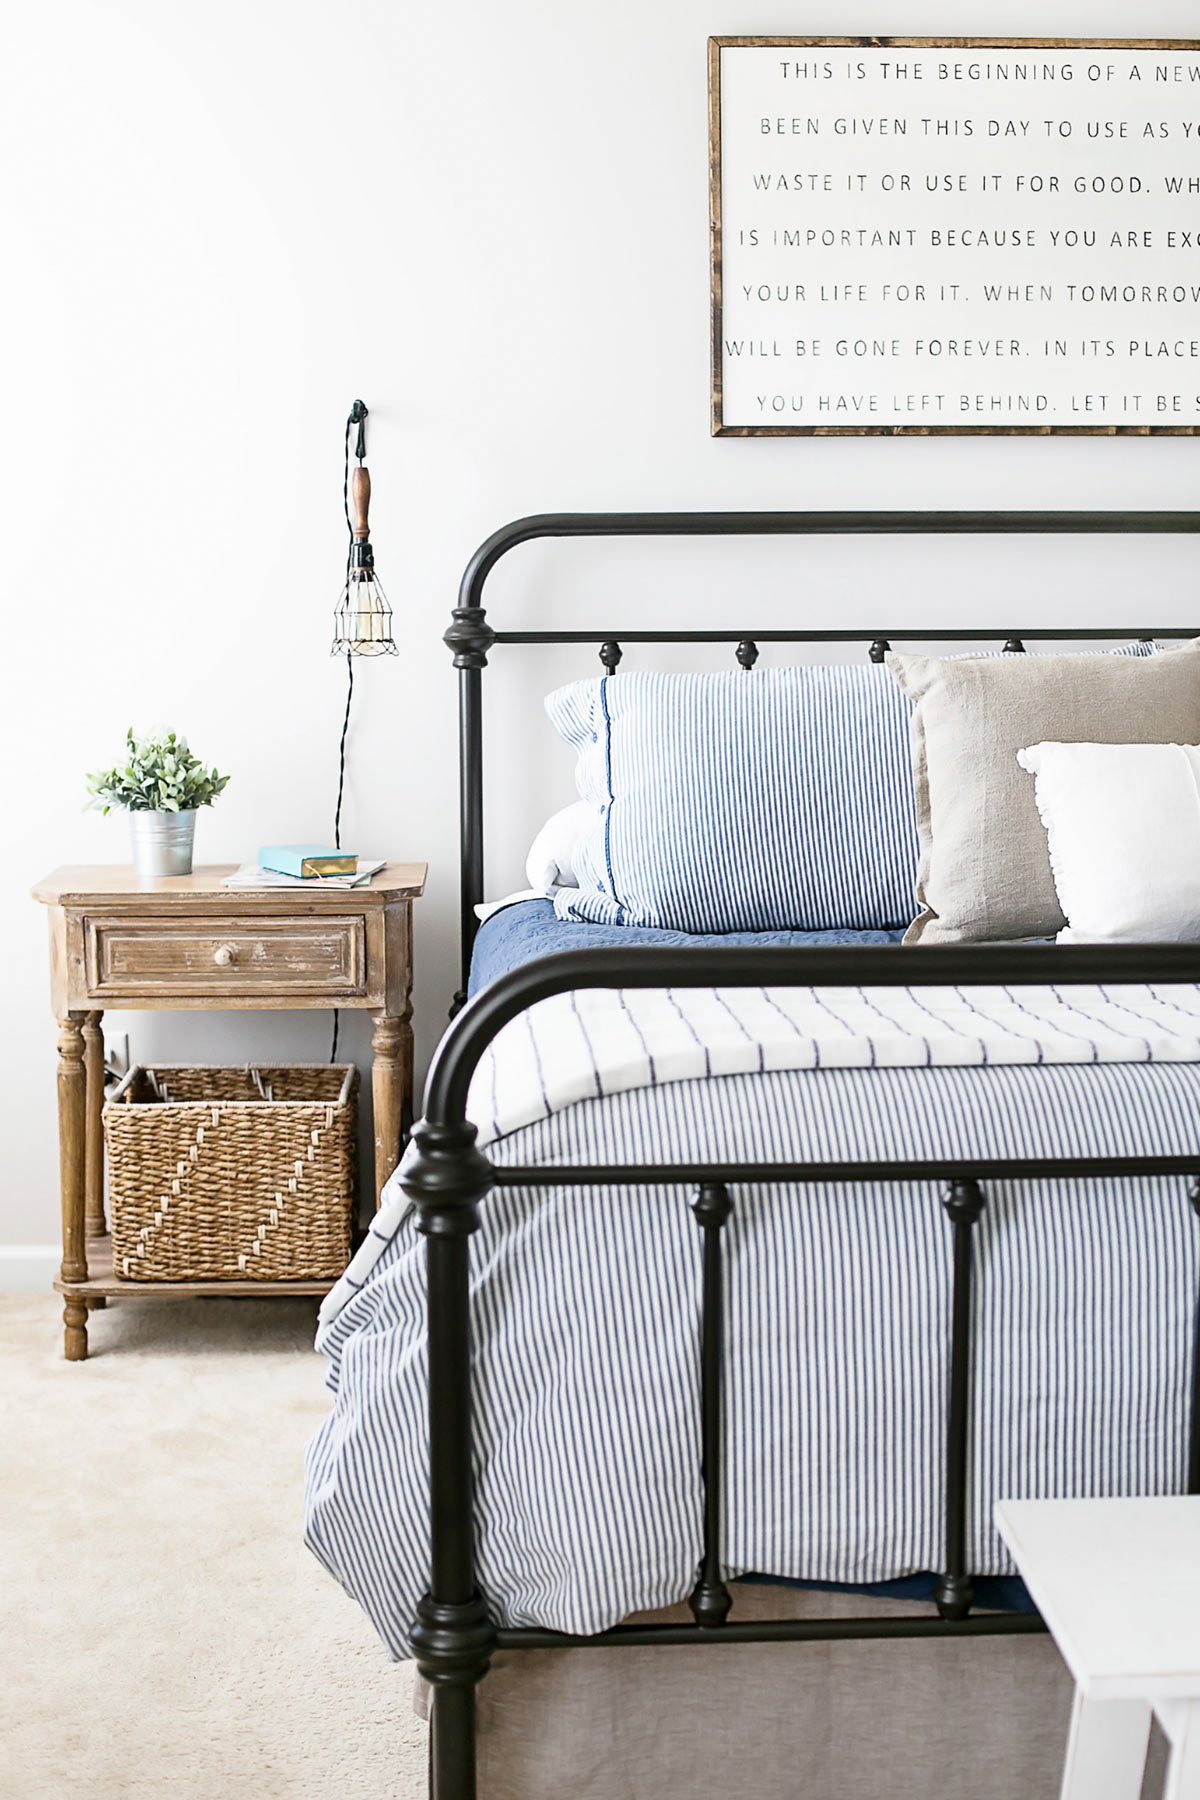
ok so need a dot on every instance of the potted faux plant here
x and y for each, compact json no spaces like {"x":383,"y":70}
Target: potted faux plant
{"x":161,"y":785}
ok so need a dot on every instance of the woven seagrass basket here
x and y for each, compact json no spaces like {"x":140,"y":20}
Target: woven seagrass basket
{"x":232,"y":1174}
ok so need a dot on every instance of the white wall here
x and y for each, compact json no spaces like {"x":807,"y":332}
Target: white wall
{"x":222,"y":222}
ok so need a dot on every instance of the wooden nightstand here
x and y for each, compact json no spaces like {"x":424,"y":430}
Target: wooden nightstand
{"x":187,"y":942}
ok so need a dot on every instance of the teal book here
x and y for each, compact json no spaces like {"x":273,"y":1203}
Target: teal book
{"x":307,"y":860}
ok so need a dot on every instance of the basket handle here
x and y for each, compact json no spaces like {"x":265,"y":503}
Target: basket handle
{"x":122,"y":1094}
{"x":266,"y":1088}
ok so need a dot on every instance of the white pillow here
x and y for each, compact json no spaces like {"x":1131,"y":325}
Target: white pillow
{"x":1123,"y":823}
{"x":552,"y":855}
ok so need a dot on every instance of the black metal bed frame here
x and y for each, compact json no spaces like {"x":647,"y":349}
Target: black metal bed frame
{"x":447,"y":1176}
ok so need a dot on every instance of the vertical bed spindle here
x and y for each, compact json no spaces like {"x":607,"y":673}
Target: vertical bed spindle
{"x":710,"y":1599}
{"x":954,"y":1593}
{"x":1193,"y":1461}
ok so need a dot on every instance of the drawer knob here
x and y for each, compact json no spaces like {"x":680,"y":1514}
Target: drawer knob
{"x":225,"y":955}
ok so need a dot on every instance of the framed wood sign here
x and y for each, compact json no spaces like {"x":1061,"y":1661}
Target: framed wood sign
{"x":954,"y":235}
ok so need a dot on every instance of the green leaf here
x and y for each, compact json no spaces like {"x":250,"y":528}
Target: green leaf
{"x":159,"y":774}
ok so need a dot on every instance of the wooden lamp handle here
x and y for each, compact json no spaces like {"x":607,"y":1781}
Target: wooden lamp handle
{"x":360,"y":500}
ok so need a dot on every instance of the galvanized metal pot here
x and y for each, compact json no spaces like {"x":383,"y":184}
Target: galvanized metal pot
{"x":162,"y":843}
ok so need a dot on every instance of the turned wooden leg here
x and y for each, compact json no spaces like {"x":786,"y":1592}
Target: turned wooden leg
{"x":406,"y":1073}
{"x":387,"y":1090}
{"x":75,"y":1314}
{"x":93,"y":1063}
{"x":72,"y":1153}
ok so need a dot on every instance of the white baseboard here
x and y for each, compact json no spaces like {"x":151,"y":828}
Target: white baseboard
{"x":28,"y":1268}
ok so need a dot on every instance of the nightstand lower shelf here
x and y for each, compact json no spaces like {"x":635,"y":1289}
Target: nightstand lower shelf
{"x":103,"y":1284}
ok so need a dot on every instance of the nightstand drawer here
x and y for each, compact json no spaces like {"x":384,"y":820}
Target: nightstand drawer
{"x":145,"y":957}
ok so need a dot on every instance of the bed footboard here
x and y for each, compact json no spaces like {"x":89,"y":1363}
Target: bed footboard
{"x":447,"y":1176}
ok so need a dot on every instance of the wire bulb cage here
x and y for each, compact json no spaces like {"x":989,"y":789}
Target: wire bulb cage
{"x":362,"y":620}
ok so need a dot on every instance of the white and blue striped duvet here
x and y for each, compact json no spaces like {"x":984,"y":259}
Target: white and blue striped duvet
{"x":587,"y":1310}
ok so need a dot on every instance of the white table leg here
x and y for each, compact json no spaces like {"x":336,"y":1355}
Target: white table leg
{"x":1180,"y":1719}
{"x":1106,"y":1751}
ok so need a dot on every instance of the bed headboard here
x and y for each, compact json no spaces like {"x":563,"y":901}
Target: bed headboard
{"x":470,"y":637}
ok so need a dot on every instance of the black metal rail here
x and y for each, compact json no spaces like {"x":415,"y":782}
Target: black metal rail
{"x":612,"y":641}
{"x":773,"y":1631}
{"x":447,"y":1176}
{"x":987,"y":1168}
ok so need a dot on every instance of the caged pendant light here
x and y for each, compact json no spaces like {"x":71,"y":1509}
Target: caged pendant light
{"x":362,"y":620}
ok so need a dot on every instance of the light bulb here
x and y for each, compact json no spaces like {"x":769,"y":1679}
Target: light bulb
{"x":363,"y":618}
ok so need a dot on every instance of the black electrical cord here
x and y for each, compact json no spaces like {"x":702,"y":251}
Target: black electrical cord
{"x":337,"y":815}
{"x":358,"y":414}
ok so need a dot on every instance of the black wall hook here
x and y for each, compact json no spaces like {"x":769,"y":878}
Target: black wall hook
{"x":358,"y":416}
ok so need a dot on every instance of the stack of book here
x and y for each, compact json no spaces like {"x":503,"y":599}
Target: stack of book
{"x":303,"y":865}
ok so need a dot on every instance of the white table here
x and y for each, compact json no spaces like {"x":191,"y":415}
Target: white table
{"x":1118,"y":1584}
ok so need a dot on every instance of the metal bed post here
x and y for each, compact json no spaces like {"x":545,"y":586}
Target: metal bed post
{"x":470,"y":637}
{"x":453,"y":1637}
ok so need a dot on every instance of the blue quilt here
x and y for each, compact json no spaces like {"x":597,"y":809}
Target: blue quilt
{"x":519,"y":933}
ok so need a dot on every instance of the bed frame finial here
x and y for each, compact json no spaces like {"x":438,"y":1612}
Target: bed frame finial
{"x":469,"y":636}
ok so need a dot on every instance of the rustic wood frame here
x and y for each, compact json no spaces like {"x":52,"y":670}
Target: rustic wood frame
{"x":715,"y":46}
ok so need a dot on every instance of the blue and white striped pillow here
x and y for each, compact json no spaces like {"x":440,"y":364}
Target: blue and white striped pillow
{"x":752,"y":800}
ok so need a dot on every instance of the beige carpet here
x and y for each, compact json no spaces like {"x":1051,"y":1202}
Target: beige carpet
{"x":163,"y":1631}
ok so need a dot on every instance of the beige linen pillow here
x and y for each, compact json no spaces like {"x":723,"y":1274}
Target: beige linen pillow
{"x":984,"y":868}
